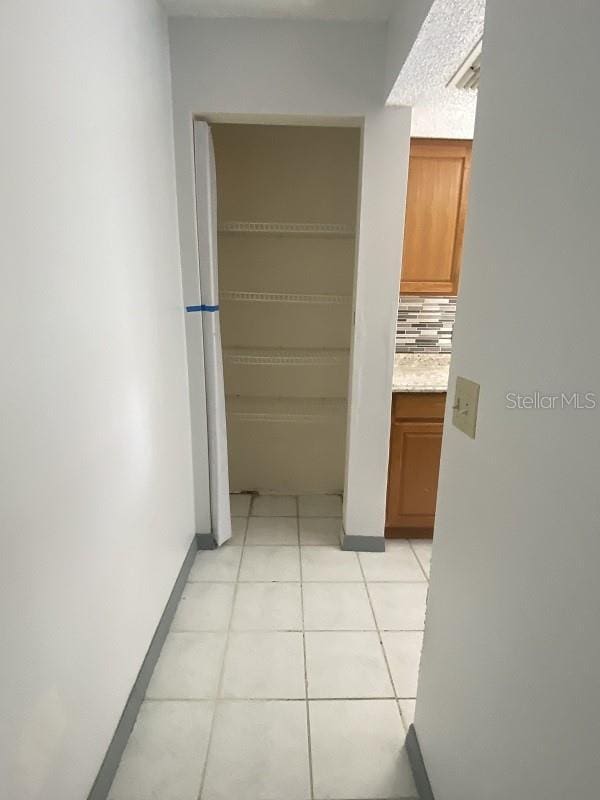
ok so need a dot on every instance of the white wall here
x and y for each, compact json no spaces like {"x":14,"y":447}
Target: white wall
{"x":384,"y":168}
{"x":96,"y":493}
{"x":251,"y":67}
{"x":240,"y":66}
{"x":286,"y":70}
{"x":508,"y":703}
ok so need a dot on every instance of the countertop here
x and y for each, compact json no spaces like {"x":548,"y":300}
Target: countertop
{"x":421,"y":372}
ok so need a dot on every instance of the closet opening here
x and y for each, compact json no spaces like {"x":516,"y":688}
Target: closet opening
{"x":287,"y":212}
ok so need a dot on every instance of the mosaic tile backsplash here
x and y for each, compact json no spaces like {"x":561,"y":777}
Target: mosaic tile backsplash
{"x":425,"y":324}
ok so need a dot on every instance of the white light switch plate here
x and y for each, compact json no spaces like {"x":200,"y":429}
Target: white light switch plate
{"x":464,"y":409}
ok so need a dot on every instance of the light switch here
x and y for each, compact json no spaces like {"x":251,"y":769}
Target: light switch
{"x":464,"y":410}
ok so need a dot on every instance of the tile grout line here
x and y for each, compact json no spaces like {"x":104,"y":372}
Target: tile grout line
{"x":385,"y":657}
{"x":245,"y":536}
{"x":415,"y":554}
{"x":299,"y":630}
{"x":309,"y":742}
{"x":222,"y":671}
{"x":287,"y":580}
{"x":335,"y":698}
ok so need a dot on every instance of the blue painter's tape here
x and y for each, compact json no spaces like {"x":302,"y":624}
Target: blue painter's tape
{"x":202,"y":308}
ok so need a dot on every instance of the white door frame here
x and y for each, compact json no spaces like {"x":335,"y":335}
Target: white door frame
{"x":382,"y":198}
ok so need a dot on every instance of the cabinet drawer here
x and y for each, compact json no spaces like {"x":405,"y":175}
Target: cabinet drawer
{"x":416,"y":405}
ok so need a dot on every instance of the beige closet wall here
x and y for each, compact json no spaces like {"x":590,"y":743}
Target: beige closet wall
{"x":286,"y":300}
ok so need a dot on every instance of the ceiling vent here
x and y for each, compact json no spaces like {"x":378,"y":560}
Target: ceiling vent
{"x":467,"y":75}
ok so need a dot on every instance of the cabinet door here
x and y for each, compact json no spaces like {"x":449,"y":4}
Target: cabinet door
{"x":413,"y":476}
{"x":436,"y":204}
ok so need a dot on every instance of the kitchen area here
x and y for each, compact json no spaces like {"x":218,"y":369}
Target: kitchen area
{"x":436,"y":207}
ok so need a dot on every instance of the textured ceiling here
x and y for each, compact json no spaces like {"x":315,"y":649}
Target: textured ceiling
{"x":449,"y":33}
{"x":357,"y":10}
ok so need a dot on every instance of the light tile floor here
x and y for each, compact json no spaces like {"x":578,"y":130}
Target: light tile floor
{"x":290,"y":670}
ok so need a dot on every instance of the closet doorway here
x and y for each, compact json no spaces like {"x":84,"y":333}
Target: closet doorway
{"x":287,"y":211}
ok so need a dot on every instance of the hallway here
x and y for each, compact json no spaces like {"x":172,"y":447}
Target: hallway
{"x":290,"y":670}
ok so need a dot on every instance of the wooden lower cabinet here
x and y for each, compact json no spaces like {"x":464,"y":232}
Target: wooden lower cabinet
{"x":415,"y":447}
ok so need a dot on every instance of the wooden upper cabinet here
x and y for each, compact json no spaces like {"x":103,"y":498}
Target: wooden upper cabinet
{"x":436,"y":205}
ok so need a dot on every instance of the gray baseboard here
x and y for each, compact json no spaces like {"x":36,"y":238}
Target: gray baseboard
{"x":106,"y":773}
{"x":364,"y":544}
{"x":206,"y":541}
{"x":417,"y":765}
